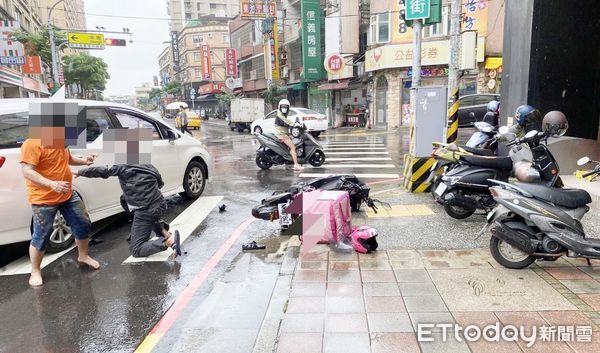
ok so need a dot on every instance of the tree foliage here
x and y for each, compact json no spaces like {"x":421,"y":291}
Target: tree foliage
{"x":89,"y":72}
{"x":155,"y":93}
{"x":273,"y":95}
{"x":39,"y":43}
{"x":226,"y":96}
{"x":174,"y":88}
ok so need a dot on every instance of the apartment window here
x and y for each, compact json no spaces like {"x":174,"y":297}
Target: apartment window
{"x":198,"y":73}
{"x":225,"y":38}
{"x":197,"y":39}
{"x":198,"y":5}
{"x":197,"y":57}
{"x":188,"y":16}
{"x":439,"y":29}
{"x":213,"y":6}
{"x":380,"y":28}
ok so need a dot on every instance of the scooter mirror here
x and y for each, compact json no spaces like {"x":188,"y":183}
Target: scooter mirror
{"x":531,"y":134}
{"x":583,"y":161}
{"x":504,"y":130}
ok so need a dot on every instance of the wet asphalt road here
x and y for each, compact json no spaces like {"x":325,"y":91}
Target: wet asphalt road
{"x":111,"y":310}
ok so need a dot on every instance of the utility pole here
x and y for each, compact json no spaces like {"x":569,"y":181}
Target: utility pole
{"x":53,"y":48}
{"x":453,"y":69}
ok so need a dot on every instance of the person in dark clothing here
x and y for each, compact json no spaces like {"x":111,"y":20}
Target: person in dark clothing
{"x":141,"y":184}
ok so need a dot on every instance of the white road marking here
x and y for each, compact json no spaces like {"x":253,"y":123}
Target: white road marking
{"x":185,"y":222}
{"x":370,"y":176}
{"x":353,"y":153}
{"x":345,"y":144}
{"x":352,"y":166}
{"x":22,"y":265}
{"x":339,"y":159}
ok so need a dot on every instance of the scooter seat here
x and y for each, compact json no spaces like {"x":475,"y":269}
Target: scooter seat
{"x":502,"y":163}
{"x":271,"y":136}
{"x":569,"y":198}
{"x":479,"y":151}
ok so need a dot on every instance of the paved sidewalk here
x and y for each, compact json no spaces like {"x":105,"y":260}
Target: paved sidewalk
{"x":347,"y":303}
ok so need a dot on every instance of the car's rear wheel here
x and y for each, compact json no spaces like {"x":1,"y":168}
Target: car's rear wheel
{"x":61,"y":237}
{"x":194,"y":180}
{"x":258,"y":130}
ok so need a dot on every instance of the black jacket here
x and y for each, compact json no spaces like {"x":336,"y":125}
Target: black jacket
{"x":140,"y":183}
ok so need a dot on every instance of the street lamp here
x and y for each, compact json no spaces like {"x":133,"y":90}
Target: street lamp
{"x":53,"y":47}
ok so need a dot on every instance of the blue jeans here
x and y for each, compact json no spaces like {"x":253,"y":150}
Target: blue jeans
{"x":74,"y":212}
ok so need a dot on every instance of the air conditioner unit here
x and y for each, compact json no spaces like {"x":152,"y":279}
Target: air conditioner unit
{"x":253,"y":75}
{"x":285,"y":72}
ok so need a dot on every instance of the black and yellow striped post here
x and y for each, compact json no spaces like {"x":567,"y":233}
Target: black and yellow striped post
{"x":416,"y":173}
{"x":453,"y":117}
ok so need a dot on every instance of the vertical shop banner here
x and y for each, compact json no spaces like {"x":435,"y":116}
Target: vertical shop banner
{"x":311,"y":40}
{"x":475,"y":16}
{"x":401,"y":33}
{"x":33,"y":65}
{"x":206,"y":68}
{"x":273,"y":39}
{"x":257,"y":8}
{"x":230,"y":62}
{"x":175,"y":50}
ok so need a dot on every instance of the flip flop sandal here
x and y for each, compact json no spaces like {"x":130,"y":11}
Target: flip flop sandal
{"x":253,"y":246}
{"x":177,"y":243}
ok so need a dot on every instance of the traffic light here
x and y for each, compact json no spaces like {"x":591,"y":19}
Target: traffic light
{"x":114,"y":42}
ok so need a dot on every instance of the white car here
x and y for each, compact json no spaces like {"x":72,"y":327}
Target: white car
{"x":184,"y":163}
{"x":315,"y":122}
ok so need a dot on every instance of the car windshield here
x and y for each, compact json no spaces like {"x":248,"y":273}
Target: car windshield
{"x":307,"y":111}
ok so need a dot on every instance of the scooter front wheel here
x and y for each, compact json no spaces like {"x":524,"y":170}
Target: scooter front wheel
{"x":508,"y":255}
{"x":263,"y":162}
{"x":317,"y":159}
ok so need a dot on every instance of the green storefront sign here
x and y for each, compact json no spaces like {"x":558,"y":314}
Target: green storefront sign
{"x":311,"y":41}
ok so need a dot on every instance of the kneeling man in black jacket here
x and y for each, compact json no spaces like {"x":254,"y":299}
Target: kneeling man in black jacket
{"x":141,"y":183}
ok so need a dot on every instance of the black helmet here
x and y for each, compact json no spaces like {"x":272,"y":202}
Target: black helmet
{"x":555,"y":123}
{"x":527,"y":114}
{"x":494,"y":107}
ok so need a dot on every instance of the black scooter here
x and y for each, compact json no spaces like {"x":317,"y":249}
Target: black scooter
{"x":537,"y":222}
{"x":465,"y":189}
{"x":274,"y":152}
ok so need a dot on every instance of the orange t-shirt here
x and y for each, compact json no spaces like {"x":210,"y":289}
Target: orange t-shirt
{"x":52,"y":164}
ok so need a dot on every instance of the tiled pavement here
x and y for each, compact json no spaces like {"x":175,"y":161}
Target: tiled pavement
{"x":346,"y":302}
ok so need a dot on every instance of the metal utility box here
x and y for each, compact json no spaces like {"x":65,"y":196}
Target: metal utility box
{"x":430,"y":120}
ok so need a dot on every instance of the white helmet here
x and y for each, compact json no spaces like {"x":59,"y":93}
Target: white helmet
{"x":283,"y":102}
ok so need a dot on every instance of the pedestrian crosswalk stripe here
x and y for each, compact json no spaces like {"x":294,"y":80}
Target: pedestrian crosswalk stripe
{"x":339,"y":159}
{"x":368,"y":176}
{"x":357,"y":152}
{"x":354,"y":144}
{"x":351,"y":166}
{"x":353,"y":148}
{"x":22,"y":265}
{"x":186,"y":222}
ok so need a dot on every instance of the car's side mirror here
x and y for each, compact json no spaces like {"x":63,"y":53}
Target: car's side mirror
{"x":171,"y":136}
{"x":583,"y":161}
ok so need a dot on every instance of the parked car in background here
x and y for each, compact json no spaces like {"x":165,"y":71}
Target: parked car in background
{"x":476,"y":104}
{"x":183,"y":162}
{"x":315,"y":122}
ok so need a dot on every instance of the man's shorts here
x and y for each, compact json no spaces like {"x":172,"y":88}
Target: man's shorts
{"x":75,"y":214}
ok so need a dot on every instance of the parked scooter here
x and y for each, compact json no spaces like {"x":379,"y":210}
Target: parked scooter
{"x":274,"y":152}
{"x":537,"y":222}
{"x":466,"y":189}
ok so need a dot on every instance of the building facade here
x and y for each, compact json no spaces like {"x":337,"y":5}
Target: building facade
{"x":182,"y":11}
{"x":247,"y":40}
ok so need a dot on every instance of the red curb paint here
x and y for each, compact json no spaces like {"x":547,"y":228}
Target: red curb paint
{"x":165,"y":323}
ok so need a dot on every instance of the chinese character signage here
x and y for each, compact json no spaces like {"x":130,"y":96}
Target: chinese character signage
{"x":334,"y":63}
{"x":311,"y":40}
{"x":417,"y":9}
{"x":230,"y":62}
{"x":175,"y":49}
{"x":32,"y":65}
{"x":475,"y":16}
{"x":9,"y":47}
{"x":206,"y":66}
{"x":257,"y":8}
{"x":274,"y":43}
{"x":401,"y":33}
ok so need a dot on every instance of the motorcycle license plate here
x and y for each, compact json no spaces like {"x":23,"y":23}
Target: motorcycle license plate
{"x":440,"y":189}
{"x":491,"y":215}
{"x":285,"y":219}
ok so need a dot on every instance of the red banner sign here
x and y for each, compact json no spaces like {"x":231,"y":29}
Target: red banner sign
{"x":258,"y":8}
{"x":230,"y":62}
{"x":206,"y":65}
{"x":211,"y":88}
{"x":33,"y":65}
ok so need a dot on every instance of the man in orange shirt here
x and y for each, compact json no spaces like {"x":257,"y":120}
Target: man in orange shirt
{"x":45,"y":164}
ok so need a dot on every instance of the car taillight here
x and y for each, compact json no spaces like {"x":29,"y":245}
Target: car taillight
{"x":2,"y":159}
{"x":309,"y":118}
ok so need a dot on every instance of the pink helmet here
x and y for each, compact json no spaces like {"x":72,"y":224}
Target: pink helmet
{"x":363,"y":239}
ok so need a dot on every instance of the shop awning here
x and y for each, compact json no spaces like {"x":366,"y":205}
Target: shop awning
{"x":333,"y":86}
{"x":493,"y":62}
{"x":296,"y":86}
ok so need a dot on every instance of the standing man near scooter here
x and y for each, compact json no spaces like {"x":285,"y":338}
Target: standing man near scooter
{"x":282,"y":126}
